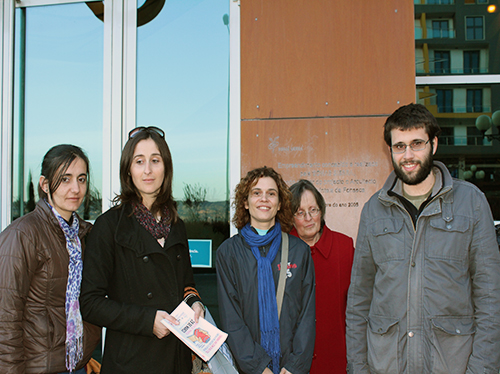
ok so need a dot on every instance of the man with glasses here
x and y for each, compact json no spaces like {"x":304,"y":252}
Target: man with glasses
{"x":425,"y":285}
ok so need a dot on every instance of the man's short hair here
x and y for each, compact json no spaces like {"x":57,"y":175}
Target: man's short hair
{"x":409,"y":117}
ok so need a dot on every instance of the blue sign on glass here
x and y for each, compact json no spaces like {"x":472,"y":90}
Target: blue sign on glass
{"x":201,"y":252}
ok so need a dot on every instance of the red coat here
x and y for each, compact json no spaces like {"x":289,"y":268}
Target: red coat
{"x":332,"y":256}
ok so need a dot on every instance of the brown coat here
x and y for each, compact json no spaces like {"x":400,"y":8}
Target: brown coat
{"x":33,"y":277}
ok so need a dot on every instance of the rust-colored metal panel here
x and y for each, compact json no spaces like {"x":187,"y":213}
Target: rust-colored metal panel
{"x":320,"y":58}
{"x":345,"y":158}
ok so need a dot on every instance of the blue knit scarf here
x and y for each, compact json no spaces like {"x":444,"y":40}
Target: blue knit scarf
{"x":268,"y":309}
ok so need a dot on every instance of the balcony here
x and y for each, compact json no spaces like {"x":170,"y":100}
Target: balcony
{"x":433,"y":2}
{"x":420,"y":70}
{"x":464,"y":109}
{"x":451,"y":140}
{"x":434,"y":33}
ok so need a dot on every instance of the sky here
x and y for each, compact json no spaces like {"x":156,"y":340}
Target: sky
{"x":182,"y":87}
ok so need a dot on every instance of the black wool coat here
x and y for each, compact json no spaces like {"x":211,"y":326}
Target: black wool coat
{"x":127,"y":277}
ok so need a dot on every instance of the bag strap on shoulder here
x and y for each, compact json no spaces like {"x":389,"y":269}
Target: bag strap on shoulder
{"x":284,"y":265}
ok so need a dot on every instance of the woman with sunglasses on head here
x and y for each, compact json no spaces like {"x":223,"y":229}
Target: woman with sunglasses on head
{"x":41,"y":327}
{"x":262,"y":339}
{"x":138,"y":267}
{"x":332,"y":253}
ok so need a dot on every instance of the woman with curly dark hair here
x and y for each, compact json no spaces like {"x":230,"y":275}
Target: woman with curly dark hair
{"x":262,"y":339}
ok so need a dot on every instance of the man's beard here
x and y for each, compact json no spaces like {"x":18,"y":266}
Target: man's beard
{"x":423,"y":171}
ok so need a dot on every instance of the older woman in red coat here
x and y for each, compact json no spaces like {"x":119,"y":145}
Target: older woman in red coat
{"x":332,"y":253}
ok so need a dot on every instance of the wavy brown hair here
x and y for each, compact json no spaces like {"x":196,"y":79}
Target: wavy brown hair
{"x":242,"y":190}
{"x":129,"y":192}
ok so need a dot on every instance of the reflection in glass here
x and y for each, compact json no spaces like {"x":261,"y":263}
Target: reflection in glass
{"x":182,"y":87}
{"x":59,"y":97}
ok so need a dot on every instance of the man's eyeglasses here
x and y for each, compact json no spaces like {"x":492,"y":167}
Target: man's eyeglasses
{"x":301,"y":214}
{"x":416,"y":145}
{"x":150,"y":129}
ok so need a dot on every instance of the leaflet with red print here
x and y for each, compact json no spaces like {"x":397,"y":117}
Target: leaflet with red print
{"x":202,"y":338}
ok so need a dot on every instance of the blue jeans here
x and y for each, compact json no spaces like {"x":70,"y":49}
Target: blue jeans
{"x":81,"y":371}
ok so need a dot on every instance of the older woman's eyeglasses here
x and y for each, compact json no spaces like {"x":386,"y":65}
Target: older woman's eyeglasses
{"x":301,"y":214}
{"x":150,"y":129}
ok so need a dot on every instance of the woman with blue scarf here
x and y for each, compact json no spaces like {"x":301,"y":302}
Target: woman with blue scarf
{"x":248,"y":270}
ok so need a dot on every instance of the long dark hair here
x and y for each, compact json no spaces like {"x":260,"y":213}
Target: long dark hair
{"x":129,"y":192}
{"x":55,"y":164}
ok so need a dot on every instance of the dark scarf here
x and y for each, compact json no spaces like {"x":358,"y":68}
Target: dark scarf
{"x":159,"y":229}
{"x":268,"y":309}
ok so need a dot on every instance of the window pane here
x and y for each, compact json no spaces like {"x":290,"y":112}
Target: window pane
{"x":182,"y":87}
{"x":61,"y":100}
{"x":442,"y":62}
{"x":474,"y":26}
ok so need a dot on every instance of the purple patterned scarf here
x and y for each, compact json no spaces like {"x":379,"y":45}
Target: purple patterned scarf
{"x":159,"y":229}
{"x":74,"y":323}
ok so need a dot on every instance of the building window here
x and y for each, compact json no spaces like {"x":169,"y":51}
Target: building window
{"x":474,"y":136}
{"x":447,"y":136}
{"x":474,"y":100}
{"x":440,"y":29}
{"x":474,"y":28}
{"x":471,"y":62}
{"x":442,"y":62}
{"x":445,"y":101}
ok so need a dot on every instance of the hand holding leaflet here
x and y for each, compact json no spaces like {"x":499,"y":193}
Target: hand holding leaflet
{"x":202,"y":338}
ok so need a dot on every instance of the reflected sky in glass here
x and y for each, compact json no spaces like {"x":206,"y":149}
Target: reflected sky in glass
{"x":64,"y":85}
{"x":182,"y":87}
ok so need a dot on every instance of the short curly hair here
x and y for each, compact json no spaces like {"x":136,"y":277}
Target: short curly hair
{"x":242,"y":190}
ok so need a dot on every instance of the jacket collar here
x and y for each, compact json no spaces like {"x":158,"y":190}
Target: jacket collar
{"x":46,"y":213}
{"x":325,"y":237}
{"x":394,"y":184}
{"x":323,"y":245}
{"x":130,"y":234}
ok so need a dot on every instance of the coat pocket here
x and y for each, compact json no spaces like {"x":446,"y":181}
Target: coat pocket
{"x":453,"y":237}
{"x":452,"y":339}
{"x":389,"y":241}
{"x":382,"y":339}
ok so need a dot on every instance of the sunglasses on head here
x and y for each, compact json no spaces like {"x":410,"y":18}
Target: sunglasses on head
{"x":150,"y":129}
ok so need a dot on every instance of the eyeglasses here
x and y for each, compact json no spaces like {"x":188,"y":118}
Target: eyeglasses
{"x":301,"y":214}
{"x":150,"y":129}
{"x":416,"y":145}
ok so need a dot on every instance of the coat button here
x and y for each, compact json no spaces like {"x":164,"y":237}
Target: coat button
{"x":457,"y":331}
{"x":178,"y":257}
{"x":411,"y":334}
{"x":413,"y":264}
{"x":448,"y":227}
{"x":150,"y":295}
{"x":385,"y":229}
{"x":145,"y":259}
